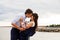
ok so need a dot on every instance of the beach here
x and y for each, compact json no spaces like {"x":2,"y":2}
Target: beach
{"x":5,"y":35}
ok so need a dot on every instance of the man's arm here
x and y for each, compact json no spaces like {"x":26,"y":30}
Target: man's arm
{"x":15,"y":26}
{"x":15,"y":20}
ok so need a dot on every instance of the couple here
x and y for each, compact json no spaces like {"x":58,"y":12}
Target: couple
{"x":24,"y":26}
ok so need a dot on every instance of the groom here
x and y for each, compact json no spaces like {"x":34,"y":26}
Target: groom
{"x":15,"y":31}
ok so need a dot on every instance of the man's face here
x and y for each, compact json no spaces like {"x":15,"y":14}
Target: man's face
{"x":28,"y":15}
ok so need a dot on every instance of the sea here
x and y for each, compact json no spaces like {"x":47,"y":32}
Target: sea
{"x":5,"y":35}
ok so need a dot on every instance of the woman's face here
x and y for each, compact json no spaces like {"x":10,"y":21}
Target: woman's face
{"x":32,"y":18}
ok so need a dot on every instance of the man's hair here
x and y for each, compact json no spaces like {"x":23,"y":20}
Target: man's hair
{"x":29,"y":11}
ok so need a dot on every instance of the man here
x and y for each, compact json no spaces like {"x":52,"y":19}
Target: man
{"x":15,"y":31}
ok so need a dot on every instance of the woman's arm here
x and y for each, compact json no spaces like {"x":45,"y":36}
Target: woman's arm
{"x":29,"y":25}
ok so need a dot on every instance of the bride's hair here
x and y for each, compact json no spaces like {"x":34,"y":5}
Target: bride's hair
{"x":35,"y":15}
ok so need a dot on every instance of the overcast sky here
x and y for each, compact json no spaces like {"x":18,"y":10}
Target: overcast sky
{"x":48,"y":10}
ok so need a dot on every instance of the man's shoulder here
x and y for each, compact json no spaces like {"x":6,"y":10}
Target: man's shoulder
{"x":18,"y":17}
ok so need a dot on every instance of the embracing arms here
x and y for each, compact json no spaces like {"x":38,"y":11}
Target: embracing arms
{"x":31,"y":24}
{"x":16,"y":26}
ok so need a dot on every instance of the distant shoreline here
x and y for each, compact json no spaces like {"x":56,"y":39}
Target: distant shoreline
{"x":41,"y":28}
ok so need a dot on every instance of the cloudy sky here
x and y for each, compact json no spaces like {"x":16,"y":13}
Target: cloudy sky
{"x":48,"y":10}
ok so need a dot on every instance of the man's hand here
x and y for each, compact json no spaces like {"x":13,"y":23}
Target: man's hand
{"x":19,"y":28}
{"x":22,"y":29}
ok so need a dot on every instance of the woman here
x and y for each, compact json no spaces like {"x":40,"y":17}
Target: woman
{"x":30,"y":28}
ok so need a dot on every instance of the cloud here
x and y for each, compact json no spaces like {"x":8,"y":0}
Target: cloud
{"x":43,"y":5}
{"x":8,"y":13}
{"x":49,"y":19}
{"x":46,"y":9}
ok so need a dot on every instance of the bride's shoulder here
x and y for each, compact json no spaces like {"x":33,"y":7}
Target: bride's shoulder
{"x":32,"y":22}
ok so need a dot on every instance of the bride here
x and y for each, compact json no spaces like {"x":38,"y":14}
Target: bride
{"x":28,"y":26}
